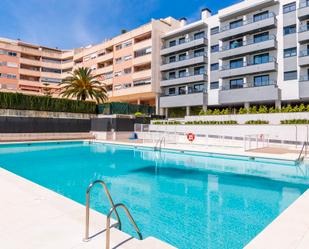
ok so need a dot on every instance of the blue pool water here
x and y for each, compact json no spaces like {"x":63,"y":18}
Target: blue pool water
{"x":189,"y":200}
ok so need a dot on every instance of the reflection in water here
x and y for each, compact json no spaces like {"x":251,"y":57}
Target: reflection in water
{"x":189,"y":201}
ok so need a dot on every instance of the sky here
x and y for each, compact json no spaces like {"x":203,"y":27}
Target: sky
{"x":70,"y":24}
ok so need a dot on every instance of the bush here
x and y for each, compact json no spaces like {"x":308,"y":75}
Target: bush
{"x":139,"y":114}
{"x":20,"y":101}
{"x":257,"y":122}
{"x":295,"y":121}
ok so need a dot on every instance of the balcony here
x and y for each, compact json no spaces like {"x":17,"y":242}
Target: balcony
{"x":303,"y":34}
{"x":248,"y":26}
{"x":249,"y":68}
{"x":188,"y":78}
{"x":142,"y":74}
{"x":189,"y":43}
{"x":191,"y":99}
{"x":248,"y":47}
{"x":142,"y":59}
{"x":104,"y":70}
{"x":187,"y":61}
{"x":303,"y":58}
{"x":250,"y":93}
{"x":143,"y":44}
{"x":25,"y":71}
{"x":30,"y":62}
{"x":303,"y":11}
{"x":304,"y":86}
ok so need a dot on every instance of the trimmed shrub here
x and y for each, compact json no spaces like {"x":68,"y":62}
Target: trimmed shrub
{"x":257,"y":122}
{"x":295,"y":121}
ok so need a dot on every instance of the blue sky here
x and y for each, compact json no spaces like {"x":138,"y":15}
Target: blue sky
{"x":74,"y":23}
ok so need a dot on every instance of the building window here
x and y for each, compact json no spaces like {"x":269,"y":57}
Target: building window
{"x":199,"y":70}
{"x":127,"y":70}
{"x":289,"y":7}
{"x":214,"y":66}
{"x":199,"y":52}
{"x":117,"y":74}
{"x":182,"y":90}
{"x":290,"y":52}
{"x":172,"y":43}
{"x":236,"y":83}
{"x":236,"y":24}
{"x":142,"y":52}
{"x":181,"y":40}
{"x":182,"y":73}
{"x":199,"y":35}
{"x":127,"y":57}
{"x":51,"y":70}
{"x":50,"y":80}
{"x":261,"y":80}
{"x":171,"y":75}
{"x":118,"y":47}
{"x":182,"y":57}
{"x":260,"y":16}
{"x":214,"y":85}
{"x":118,"y":60}
{"x":289,"y":30}
{"x":236,"y":43}
{"x":172,"y":59}
{"x":214,"y":30}
{"x":261,"y":37}
{"x":214,"y":48}
{"x":127,"y":44}
{"x":172,"y":91}
{"x":12,"y":54}
{"x":260,"y":59}
{"x":236,"y":63}
{"x":291,"y":75}
{"x":198,"y":88}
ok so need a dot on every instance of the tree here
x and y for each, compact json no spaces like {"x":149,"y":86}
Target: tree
{"x":82,"y":85}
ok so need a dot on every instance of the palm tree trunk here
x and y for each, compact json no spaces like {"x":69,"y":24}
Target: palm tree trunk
{"x":83,"y":97}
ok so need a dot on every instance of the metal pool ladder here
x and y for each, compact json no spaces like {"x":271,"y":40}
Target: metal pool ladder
{"x":112,"y":210}
{"x":159,"y":143}
{"x":303,"y":150}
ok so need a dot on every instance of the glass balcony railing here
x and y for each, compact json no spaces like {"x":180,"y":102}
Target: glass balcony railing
{"x":187,"y":57}
{"x":249,"y":85}
{"x":247,"y":64}
{"x":185,"y":75}
{"x":303,"y":28}
{"x":247,"y":43}
{"x":248,"y":21}
{"x":304,"y":4}
{"x":187,"y":92}
{"x":177,"y":43}
{"x":304,"y":53}
{"x":304,"y":78}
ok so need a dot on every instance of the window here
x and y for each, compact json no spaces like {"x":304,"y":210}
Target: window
{"x":289,"y":7}
{"x":199,"y":35}
{"x":172,"y":91}
{"x":199,"y":52}
{"x":12,"y":54}
{"x":214,"y":30}
{"x":261,"y":58}
{"x":182,"y":90}
{"x":198,"y":88}
{"x":236,"y":83}
{"x":118,"y":60}
{"x":50,"y":80}
{"x":182,"y":57}
{"x":181,"y":40}
{"x":214,"y":66}
{"x":214,"y":48}
{"x":127,"y":44}
{"x":261,"y":80}
{"x":182,"y":73}
{"x":127,"y":70}
{"x":236,"y":43}
{"x":142,"y":82}
{"x":289,"y":30}
{"x":199,"y":70}
{"x":260,"y":16}
{"x":9,"y":76}
{"x":236,"y":63}
{"x":142,"y":52}
{"x":127,"y":57}
{"x":261,"y":37}
{"x":117,"y":74}
{"x":236,"y":24}
{"x":8,"y":64}
{"x":291,"y":75}
{"x":172,"y":59}
{"x":290,"y":52}
{"x":51,"y":70}
{"x":118,"y":47}
{"x":172,"y":43}
{"x":214,"y":85}
{"x":171,"y":75}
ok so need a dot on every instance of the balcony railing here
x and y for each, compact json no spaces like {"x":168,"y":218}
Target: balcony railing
{"x":183,"y":76}
{"x":187,"y":57}
{"x":304,"y":78}
{"x":303,"y":28}
{"x":184,"y":93}
{"x":246,"y":43}
{"x":248,"y":21}
{"x":247,"y":64}
{"x":250,"y":85}
{"x":304,"y":4}
{"x":304,"y":53}
{"x":184,"y":42}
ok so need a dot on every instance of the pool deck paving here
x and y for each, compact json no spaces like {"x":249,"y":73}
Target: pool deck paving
{"x":33,"y":217}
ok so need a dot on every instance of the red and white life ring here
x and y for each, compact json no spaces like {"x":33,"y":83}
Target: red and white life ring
{"x":190,"y":137}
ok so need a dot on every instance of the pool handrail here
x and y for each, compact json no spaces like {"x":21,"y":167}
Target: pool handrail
{"x":103,"y":184}
{"x":114,"y":209}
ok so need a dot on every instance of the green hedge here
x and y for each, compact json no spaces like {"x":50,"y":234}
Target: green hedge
{"x":124,"y":108}
{"x":20,"y":101}
{"x":295,"y":121}
{"x":228,"y":122}
{"x":256,"y":122}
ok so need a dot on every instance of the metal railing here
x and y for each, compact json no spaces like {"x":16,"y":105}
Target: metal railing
{"x":303,"y":150}
{"x":114,"y":209}
{"x":103,"y":184}
{"x":250,"y":85}
{"x":185,"y":75}
{"x":177,"y":43}
{"x":250,"y":63}
{"x":185,"y":58}
{"x":159,"y":143}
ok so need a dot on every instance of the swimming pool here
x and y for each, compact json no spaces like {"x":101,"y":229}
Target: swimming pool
{"x":190,"y":200}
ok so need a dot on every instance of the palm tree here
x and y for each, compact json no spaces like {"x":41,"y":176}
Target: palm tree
{"x":81,"y":84}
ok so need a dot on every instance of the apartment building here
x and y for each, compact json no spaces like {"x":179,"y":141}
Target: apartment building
{"x":256,"y":53}
{"x":128,"y":64}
